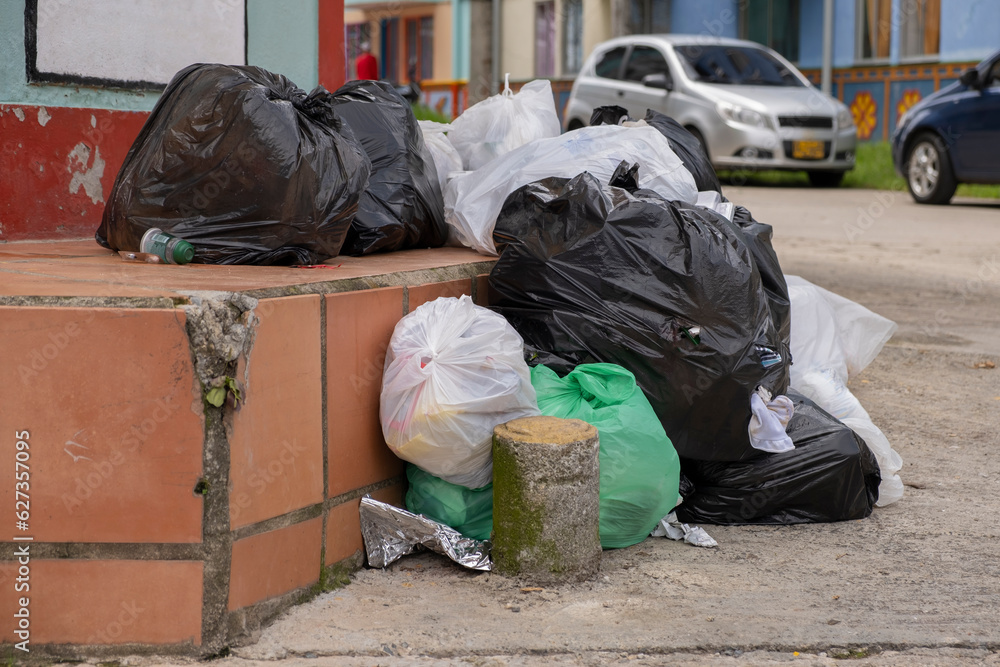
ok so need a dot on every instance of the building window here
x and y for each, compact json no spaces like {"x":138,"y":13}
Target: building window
{"x":420,"y":49}
{"x":545,"y":39}
{"x":356,"y":34}
{"x":919,"y":28}
{"x":390,"y":50}
{"x":649,"y":17}
{"x":874,"y":29}
{"x":773,"y":23}
{"x":572,"y":36}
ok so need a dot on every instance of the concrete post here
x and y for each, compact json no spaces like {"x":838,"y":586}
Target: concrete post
{"x":545,"y":500}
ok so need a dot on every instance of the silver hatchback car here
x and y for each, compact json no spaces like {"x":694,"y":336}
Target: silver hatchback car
{"x":749,"y":107}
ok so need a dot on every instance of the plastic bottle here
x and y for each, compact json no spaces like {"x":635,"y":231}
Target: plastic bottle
{"x":168,"y":247}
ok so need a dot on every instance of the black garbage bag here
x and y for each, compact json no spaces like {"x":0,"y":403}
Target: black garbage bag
{"x":685,"y":145}
{"x":831,"y":475}
{"x":758,"y":237}
{"x":667,"y":290}
{"x":242,"y":164}
{"x":402,"y":207}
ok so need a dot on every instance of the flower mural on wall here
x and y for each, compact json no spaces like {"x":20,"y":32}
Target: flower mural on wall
{"x":864,"y":110}
{"x":908,"y":99}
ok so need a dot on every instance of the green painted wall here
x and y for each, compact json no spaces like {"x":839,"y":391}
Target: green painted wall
{"x":14,"y":88}
{"x":282,"y":37}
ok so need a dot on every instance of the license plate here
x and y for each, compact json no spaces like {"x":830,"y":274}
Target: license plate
{"x":807,"y":150}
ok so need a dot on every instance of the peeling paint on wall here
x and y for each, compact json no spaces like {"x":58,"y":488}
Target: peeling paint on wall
{"x":19,"y":112}
{"x":43,"y":116}
{"x":84,"y":173}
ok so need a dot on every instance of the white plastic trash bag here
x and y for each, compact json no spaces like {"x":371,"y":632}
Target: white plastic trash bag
{"x":833,"y":339}
{"x":503,"y":122}
{"x":453,"y":371}
{"x":472,"y":201}
{"x":446,"y":157}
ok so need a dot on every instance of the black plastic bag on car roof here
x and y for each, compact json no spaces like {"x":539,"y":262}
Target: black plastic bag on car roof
{"x":685,"y":145}
{"x":402,"y":206}
{"x":831,"y":475}
{"x":668,"y":290}
{"x":244,"y":165}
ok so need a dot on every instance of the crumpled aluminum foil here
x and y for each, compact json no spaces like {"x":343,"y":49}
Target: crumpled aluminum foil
{"x":391,"y":533}
{"x":673,"y":529}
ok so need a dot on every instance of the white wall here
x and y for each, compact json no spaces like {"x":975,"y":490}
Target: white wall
{"x":137,"y":40}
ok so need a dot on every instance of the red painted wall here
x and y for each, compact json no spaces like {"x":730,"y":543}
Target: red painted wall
{"x":331,"y":44}
{"x":57,"y":166}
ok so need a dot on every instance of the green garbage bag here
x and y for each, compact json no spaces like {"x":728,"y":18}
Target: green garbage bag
{"x":640,"y":470}
{"x":469,"y":511}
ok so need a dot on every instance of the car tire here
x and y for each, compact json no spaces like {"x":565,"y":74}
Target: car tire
{"x":825,"y":179}
{"x":928,"y":171}
{"x":701,"y":140}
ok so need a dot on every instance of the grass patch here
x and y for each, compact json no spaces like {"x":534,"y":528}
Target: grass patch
{"x":424,"y":112}
{"x":873,"y":170}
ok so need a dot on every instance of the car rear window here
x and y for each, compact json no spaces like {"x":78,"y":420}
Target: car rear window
{"x":645,"y":60}
{"x":610,"y":64}
{"x":736,"y":65}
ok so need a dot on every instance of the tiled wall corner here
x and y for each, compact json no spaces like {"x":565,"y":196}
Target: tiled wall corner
{"x":420,"y":294}
{"x":358,"y":328}
{"x":91,"y":602}
{"x":276,"y":562}
{"x":276,"y":436}
{"x":114,"y":412}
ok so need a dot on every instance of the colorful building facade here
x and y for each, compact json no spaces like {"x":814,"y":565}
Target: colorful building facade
{"x":887,"y":54}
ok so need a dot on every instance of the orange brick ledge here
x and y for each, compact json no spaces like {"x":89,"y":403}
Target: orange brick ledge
{"x":161,"y":523}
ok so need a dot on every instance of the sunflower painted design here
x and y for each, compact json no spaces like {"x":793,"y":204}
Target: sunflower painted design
{"x":909,"y":98}
{"x":864,"y":110}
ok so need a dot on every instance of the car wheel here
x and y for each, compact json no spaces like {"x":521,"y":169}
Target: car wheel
{"x":928,"y":171}
{"x":574,"y":124}
{"x":701,"y":140}
{"x":825,"y":179}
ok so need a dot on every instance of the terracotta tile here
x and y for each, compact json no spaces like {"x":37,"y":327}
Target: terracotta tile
{"x":483,"y":290}
{"x":107,"y":602}
{"x":36,"y":268}
{"x":276,"y":438}
{"x":276,"y":562}
{"x":430,"y":291}
{"x":114,"y":412}
{"x":343,"y":525}
{"x":358,"y":328}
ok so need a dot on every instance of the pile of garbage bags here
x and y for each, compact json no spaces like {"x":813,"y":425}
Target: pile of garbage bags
{"x":638,"y":289}
{"x":250,"y":169}
{"x":628,"y":292}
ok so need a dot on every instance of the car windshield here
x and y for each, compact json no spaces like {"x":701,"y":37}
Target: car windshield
{"x":735,"y":65}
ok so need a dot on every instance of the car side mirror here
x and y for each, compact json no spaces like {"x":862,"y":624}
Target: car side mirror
{"x":970,"y":77}
{"x":660,"y":81}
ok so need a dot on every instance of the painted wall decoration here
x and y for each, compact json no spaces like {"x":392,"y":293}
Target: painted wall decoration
{"x":907,"y":100}
{"x":865,"y":112}
{"x":139,"y":43}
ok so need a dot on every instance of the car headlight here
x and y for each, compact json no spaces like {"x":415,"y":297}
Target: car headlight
{"x":845,"y":118}
{"x":737,"y":114}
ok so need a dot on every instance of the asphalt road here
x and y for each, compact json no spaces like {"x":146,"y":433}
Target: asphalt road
{"x":917,"y":583}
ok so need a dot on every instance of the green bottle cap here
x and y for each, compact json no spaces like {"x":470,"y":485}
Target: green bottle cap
{"x":183,"y":252}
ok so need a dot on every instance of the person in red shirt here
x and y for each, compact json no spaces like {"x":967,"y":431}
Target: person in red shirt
{"x":366,"y":65}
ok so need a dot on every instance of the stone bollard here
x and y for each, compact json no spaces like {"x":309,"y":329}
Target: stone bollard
{"x":545,"y":500}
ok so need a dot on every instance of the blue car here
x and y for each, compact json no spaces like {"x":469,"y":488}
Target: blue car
{"x":952,"y":136}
